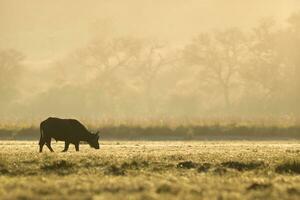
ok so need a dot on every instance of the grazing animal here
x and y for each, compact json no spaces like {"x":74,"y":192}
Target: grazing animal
{"x":69,"y":130}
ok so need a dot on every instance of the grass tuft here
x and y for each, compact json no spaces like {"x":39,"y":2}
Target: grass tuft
{"x":220,"y":170}
{"x":259,"y":186}
{"x":116,"y":171}
{"x":204,"y":167}
{"x":62,"y":167}
{"x":3,"y":169}
{"x":132,"y":165}
{"x":166,"y":188}
{"x":241,"y":166}
{"x":289,"y":167}
{"x":293,"y":191}
{"x":187,"y":165}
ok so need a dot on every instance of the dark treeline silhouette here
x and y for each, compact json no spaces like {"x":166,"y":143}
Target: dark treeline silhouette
{"x":181,"y":132}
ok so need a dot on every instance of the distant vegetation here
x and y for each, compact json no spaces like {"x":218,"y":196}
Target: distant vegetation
{"x":227,"y":72}
{"x":171,"y":130}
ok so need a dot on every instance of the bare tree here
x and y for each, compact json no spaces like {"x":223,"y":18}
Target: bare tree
{"x":109,"y":60}
{"x":264,"y":68}
{"x":219,"y":57}
{"x":152,"y":60}
{"x":108,"y":56}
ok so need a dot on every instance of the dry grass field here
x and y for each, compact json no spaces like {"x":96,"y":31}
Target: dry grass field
{"x":152,"y":170}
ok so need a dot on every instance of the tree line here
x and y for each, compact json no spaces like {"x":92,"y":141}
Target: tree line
{"x":222,"y":72}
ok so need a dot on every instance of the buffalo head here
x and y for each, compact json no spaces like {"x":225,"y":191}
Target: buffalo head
{"x":93,"y":140}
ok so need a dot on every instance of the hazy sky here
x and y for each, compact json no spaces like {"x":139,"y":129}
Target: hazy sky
{"x":47,"y":29}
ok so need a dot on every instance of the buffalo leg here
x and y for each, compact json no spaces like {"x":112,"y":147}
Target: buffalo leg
{"x":48,"y":144}
{"x":77,"y":146}
{"x":41,"y":143}
{"x":66,"y":146}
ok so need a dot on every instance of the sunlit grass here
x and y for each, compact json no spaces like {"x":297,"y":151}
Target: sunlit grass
{"x":151,"y":170}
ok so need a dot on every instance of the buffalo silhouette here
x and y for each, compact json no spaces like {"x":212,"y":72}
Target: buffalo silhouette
{"x":69,"y":130}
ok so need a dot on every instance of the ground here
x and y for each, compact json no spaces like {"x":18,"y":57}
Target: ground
{"x":152,"y":170}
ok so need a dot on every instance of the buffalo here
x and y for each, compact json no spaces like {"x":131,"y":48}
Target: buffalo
{"x":69,"y":130}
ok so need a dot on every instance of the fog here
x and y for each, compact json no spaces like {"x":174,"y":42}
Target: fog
{"x":98,"y":59}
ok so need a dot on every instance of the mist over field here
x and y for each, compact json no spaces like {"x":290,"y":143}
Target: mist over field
{"x":149,"y":59}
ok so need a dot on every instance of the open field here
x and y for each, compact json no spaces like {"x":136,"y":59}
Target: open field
{"x":152,"y":170}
